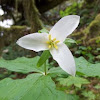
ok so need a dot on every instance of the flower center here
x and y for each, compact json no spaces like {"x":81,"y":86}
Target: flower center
{"x":52,"y":43}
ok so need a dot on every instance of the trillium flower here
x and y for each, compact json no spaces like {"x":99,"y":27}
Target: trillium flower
{"x":54,"y":42}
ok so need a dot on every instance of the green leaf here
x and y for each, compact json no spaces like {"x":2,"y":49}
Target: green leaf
{"x":89,"y":94}
{"x":22,"y":65}
{"x":76,"y":81}
{"x":69,"y":40}
{"x":33,"y":87}
{"x":43,"y":31}
{"x":56,"y":71}
{"x":98,"y":49}
{"x":45,"y":55}
{"x":26,"y":65}
{"x":78,"y":52}
{"x":83,"y":48}
{"x":97,"y":86}
{"x":87,"y":68}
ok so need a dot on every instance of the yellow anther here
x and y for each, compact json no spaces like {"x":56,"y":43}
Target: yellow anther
{"x":57,"y":42}
{"x":48,"y":42}
{"x":55,"y":46}
{"x":50,"y":46}
{"x":54,"y":39}
{"x":52,"y":43}
{"x":49,"y":37}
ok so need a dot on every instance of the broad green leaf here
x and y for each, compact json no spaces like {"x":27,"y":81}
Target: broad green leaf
{"x":45,"y":55}
{"x":57,"y":71}
{"x":26,"y":65}
{"x":33,"y":87}
{"x":76,"y":81}
{"x":86,"y":68}
{"x":23,"y":65}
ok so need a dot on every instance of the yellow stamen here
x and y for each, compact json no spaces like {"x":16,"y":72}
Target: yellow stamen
{"x":57,"y":42}
{"x":54,"y":39}
{"x":49,"y":37}
{"x":48,"y":42}
{"x":50,"y":46}
{"x":52,"y":43}
{"x":56,"y":46}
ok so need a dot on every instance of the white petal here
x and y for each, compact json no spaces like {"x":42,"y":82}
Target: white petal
{"x":64,"y":58}
{"x":35,"y":41}
{"x":64,"y":27}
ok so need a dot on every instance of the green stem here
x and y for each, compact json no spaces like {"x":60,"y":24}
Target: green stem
{"x":45,"y":70}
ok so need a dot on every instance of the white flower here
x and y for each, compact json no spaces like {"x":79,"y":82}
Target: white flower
{"x":54,"y":42}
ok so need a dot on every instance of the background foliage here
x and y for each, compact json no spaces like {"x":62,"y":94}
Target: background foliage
{"x":21,"y":79}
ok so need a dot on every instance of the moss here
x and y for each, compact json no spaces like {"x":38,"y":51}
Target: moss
{"x":89,"y":3}
{"x":93,"y":30}
{"x":94,"y":42}
{"x":94,"y":27}
{"x":13,"y":28}
{"x":90,"y":34}
{"x":10,"y":35}
{"x":32,"y":15}
{"x":77,"y":35}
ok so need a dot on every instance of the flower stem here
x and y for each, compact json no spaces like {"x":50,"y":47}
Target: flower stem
{"x":45,"y":70}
